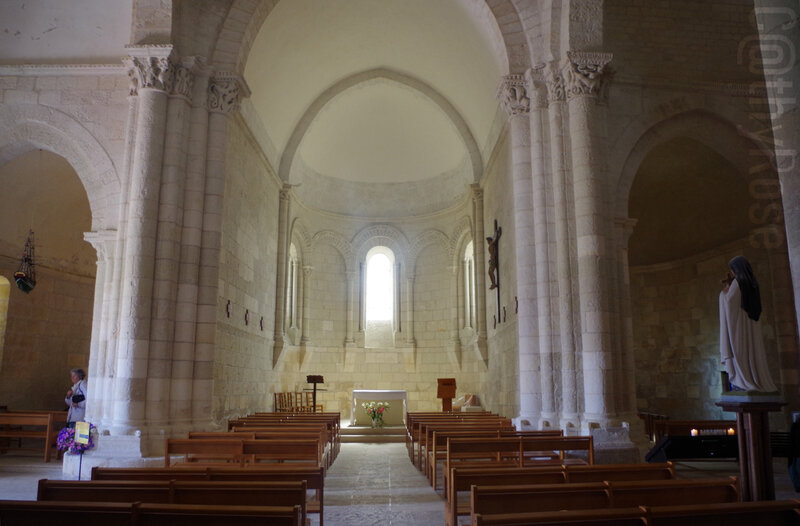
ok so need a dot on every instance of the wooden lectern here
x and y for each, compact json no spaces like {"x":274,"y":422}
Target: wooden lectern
{"x":314,"y":379}
{"x":446,"y":391}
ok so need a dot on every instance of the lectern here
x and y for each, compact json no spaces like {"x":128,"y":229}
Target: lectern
{"x":314,"y":379}
{"x":446,"y":391}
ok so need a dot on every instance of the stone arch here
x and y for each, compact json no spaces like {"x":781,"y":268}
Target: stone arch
{"x":426,"y":238}
{"x":704,"y":127}
{"x":376,"y":235}
{"x":334,"y":239}
{"x":289,"y":153}
{"x":26,"y":127}
{"x":459,"y":237}
{"x":245,"y":18}
{"x":299,"y":236}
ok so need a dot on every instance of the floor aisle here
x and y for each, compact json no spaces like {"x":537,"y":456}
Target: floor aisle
{"x":376,"y":484}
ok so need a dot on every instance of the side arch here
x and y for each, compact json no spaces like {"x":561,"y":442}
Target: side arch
{"x":26,"y":127}
{"x":426,"y":238}
{"x":330,"y":237}
{"x":704,"y":127}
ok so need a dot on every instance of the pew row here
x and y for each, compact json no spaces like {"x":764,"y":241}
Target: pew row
{"x":764,"y":513}
{"x":33,"y":424}
{"x":226,"y":493}
{"x":34,"y":513}
{"x":313,"y":475}
{"x":462,"y":479}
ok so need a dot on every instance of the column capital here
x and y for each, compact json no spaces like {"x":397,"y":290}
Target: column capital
{"x":150,"y":67}
{"x":554,"y":78}
{"x":585,"y":73}
{"x":537,"y":87}
{"x":225,"y":92}
{"x":477,"y":192}
{"x":307,"y":270}
{"x":186,"y":69}
{"x":103,"y":242}
{"x":626,"y":226}
{"x":513,"y":95}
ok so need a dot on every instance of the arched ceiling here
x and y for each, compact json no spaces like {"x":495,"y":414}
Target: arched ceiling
{"x":379,"y":131}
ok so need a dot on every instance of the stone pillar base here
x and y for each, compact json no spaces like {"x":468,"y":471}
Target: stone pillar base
{"x":109,"y":451}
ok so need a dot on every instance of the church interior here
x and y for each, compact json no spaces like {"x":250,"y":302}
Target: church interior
{"x":536,"y":198}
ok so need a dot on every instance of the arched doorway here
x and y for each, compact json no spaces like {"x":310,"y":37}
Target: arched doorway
{"x":48,"y":331}
{"x":695,"y":211}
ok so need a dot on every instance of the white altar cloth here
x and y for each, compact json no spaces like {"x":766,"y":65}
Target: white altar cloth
{"x":380,"y":395}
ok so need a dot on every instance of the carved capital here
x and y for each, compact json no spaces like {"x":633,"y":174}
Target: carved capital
{"x":150,"y":67}
{"x":555,"y":83}
{"x":513,"y":95}
{"x":477,"y":193}
{"x":585,"y":73}
{"x":536,"y":86}
{"x":225,"y":92}
{"x":184,"y":80}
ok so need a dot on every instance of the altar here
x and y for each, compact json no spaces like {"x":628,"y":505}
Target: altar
{"x":395,"y":414}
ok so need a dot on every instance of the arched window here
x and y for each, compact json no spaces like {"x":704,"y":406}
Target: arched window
{"x":5,"y":291}
{"x":379,"y":295}
{"x":469,"y":286}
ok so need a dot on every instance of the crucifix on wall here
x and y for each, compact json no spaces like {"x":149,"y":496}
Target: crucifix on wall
{"x":494,"y":263}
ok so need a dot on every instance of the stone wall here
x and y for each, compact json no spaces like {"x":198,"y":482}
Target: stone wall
{"x":243,"y":363}
{"x":676,"y":330}
{"x":502,"y":376}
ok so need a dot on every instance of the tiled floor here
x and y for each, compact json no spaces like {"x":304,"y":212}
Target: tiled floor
{"x":369,"y":484}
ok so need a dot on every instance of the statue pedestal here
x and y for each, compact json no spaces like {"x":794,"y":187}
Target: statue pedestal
{"x":756,"y":479}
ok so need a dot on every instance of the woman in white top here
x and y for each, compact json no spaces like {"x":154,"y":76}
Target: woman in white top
{"x":741,"y":345}
{"x":76,"y":397}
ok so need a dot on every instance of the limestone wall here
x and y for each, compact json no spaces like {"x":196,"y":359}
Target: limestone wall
{"x":243,"y":363}
{"x":502,"y":377}
{"x":676,"y":329}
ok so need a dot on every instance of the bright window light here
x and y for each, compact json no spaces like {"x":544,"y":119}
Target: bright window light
{"x":379,"y":288}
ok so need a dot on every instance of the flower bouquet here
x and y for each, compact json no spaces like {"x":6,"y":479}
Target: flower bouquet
{"x":375,"y":410}
{"x":66,"y":440}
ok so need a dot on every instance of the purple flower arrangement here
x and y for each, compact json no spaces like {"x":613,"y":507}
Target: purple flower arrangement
{"x":66,"y":440}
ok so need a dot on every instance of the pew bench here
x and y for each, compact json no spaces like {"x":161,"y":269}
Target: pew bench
{"x":462,"y":479}
{"x":13,"y":513}
{"x":33,"y":424}
{"x":230,"y":493}
{"x":488,"y":500}
{"x":313,"y":476}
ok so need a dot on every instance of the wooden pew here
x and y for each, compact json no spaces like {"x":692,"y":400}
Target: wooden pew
{"x":486,"y":500}
{"x":764,"y":513}
{"x":316,"y":434}
{"x":206,"y":450}
{"x":601,"y":517}
{"x":313,"y":475}
{"x":230,"y":493}
{"x":33,"y":424}
{"x":462,"y":479}
{"x":539,"y":449}
{"x":28,"y":513}
{"x":423,"y":434}
{"x":414,"y":419}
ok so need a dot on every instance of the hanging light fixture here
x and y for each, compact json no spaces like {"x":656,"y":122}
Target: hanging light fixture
{"x":25,"y":276}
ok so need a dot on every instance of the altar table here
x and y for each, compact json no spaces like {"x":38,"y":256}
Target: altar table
{"x":395,"y":414}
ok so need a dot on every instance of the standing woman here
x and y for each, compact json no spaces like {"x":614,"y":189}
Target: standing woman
{"x":741,"y":345}
{"x":76,"y":397}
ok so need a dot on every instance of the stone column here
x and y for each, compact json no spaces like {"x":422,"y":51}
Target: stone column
{"x":514,"y":99}
{"x":626,"y":373}
{"x":224,"y":93}
{"x":480,"y":271}
{"x":539,"y":171}
{"x":779,"y":42}
{"x":191,"y":240}
{"x":104,"y":243}
{"x":410,"y":307}
{"x":284,"y":208}
{"x":352,"y":282}
{"x":153,"y":73}
{"x":583,"y":75}
{"x":307,"y":270}
{"x":169,"y":410}
{"x":458,"y":308}
{"x":570,"y":420}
